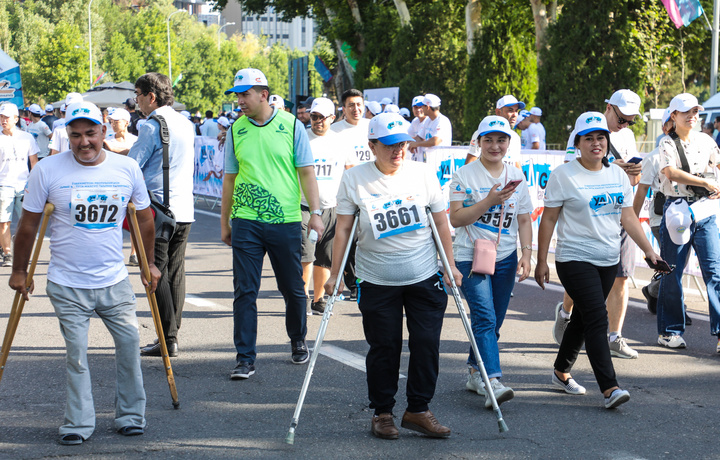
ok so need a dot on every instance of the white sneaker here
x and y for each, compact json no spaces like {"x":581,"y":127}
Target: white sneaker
{"x":570,"y":386}
{"x":475,"y":383}
{"x":672,"y":341}
{"x":560,"y":324}
{"x":501,"y":392}
{"x":620,"y":349}
{"x":616,"y":398}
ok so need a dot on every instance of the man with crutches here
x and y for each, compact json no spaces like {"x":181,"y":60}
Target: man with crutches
{"x":90,"y":189}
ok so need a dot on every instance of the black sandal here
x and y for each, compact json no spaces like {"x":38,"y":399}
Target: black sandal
{"x":71,"y":439}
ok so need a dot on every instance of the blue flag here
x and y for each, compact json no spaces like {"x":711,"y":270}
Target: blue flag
{"x":322,"y":69}
{"x":689,"y":10}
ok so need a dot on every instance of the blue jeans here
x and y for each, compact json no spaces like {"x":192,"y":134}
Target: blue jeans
{"x":670,"y":307}
{"x":488,"y":297}
{"x":250,"y":241}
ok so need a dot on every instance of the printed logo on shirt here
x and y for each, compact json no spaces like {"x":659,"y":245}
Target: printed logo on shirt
{"x":242,"y":131}
{"x":599,"y":201}
{"x":281,"y":129}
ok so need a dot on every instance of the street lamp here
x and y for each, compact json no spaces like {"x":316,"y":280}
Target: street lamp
{"x":220,"y":30}
{"x":90,"y":40}
{"x":168,"y":40}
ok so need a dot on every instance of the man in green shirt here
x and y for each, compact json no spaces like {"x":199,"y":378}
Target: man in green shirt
{"x":267,"y":159}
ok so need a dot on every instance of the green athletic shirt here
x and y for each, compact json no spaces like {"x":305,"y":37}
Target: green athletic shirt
{"x":266,"y":186}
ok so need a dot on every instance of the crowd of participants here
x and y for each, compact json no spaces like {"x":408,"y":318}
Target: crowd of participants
{"x":292,"y":188}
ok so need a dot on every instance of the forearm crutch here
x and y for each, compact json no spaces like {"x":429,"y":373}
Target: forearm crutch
{"x":290,"y":438}
{"x":19,"y":301}
{"x":152,"y":300}
{"x":466,"y":323}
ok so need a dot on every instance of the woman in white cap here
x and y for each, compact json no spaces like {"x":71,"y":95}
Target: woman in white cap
{"x":589,"y":199}
{"x":121,"y":140}
{"x":688,"y":165}
{"x":396,"y":266}
{"x":490,"y":201}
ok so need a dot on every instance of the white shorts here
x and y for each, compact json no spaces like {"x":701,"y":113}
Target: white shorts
{"x":10,"y":200}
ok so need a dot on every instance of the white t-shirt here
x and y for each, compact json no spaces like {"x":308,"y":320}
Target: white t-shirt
{"x":395,"y":244}
{"x":14,"y":153}
{"x":41,"y":132}
{"x":419,"y":154}
{"x":535,"y":133}
{"x":474,"y":148}
{"x":702,"y":155}
{"x":329,"y":166}
{"x":59,"y":123}
{"x":90,"y":203}
{"x":623,"y":141}
{"x":355,"y":138}
{"x":512,"y":157}
{"x":651,"y":176}
{"x":415,"y":126}
{"x":589,"y":221}
{"x":439,"y":127}
{"x":60,"y":140}
{"x":477,"y":178}
{"x":126,"y":143}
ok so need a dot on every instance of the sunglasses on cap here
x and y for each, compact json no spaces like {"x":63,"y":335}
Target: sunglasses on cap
{"x":621,"y":120}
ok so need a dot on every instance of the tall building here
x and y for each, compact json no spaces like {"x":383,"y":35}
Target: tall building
{"x":298,"y":34}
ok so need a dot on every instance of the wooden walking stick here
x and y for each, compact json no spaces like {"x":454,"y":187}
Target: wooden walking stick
{"x":152,"y":300}
{"x":19,"y":301}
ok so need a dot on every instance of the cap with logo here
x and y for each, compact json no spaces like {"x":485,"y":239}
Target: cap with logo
{"x":521,"y":116}
{"x":389,"y":128}
{"x":418,"y":101}
{"x":83,"y":111}
{"x":120,"y":114}
{"x":374,"y":107}
{"x":626,"y":101}
{"x":9,"y":109}
{"x":494,"y":124}
{"x":684,"y":102}
{"x":589,"y":122}
{"x":49,"y":108}
{"x":509,"y":100}
{"x":223,"y":121}
{"x":323,"y":106}
{"x":246,"y":79}
{"x":537,"y":111}
{"x":431,"y":100}
{"x":276,"y":101}
{"x":678,"y":220}
{"x":35,"y":109}
{"x":391,"y":108}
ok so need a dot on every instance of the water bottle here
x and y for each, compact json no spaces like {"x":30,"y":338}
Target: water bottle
{"x":469,"y":200}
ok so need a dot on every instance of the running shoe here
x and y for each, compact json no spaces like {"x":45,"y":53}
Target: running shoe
{"x":560,"y":324}
{"x":501,"y":392}
{"x":475,"y":382}
{"x":672,"y":341}
{"x":620,"y":349}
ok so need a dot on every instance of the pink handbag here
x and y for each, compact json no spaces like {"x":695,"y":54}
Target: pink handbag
{"x":485,"y":251}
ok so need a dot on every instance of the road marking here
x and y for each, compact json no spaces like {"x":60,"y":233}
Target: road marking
{"x":207,"y":213}
{"x":203,"y":303}
{"x":346,"y":357}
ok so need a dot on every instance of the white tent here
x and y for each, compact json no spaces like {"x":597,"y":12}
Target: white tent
{"x":113,"y":95}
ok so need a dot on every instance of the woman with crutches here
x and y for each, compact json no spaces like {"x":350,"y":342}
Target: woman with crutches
{"x":396,"y":264}
{"x":490,"y":201}
{"x":589,"y":199}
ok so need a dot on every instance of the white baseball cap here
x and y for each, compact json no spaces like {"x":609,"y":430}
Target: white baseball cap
{"x":9,"y":109}
{"x":678,"y":220}
{"x":246,"y":79}
{"x":509,"y":100}
{"x":186,"y":114}
{"x":277,"y":101}
{"x":537,"y":111}
{"x":119,"y":114}
{"x":521,"y":116}
{"x":35,"y":109}
{"x":684,"y":102}
{"x":666,"y":115}
{"x":73,"y":98}
{"x":373,"y":107}
{"x":223,"y":121}
{"x":85,"y":111}
{"x":494,"y":124}
{"x":385,"y":101}
{"x":404,"y":112}
{"x":63,"y":106}
{"x":626,"y":101}
{"x":323,"y":106}
{"x":589,"y":122}
{"x":389,"y":128}
{"x":431,"y":100}
{"x":49,"y":108}
{"x":418,"y":101}
{"x":391,"y":108}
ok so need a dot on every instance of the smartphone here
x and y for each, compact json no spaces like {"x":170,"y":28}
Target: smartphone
{"x":660,"y":266}
{"x":635,"y":160}
{"x":511,"y":185}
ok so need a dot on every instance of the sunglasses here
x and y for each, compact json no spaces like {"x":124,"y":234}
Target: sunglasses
{"x":317,"y":117}
{"x":621,"y":120}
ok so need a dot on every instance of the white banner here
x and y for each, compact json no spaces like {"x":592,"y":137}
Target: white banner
{"x":209,"y":167}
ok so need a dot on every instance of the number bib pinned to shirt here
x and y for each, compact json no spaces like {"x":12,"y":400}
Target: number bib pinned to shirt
{"x":95,"y":208}
{"x":394,"y":216}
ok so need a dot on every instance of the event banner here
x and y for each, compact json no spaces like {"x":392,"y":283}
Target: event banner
{"x":209,"y":167}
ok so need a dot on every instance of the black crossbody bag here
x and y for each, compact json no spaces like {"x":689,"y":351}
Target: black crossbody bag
{"x":164,"y":217}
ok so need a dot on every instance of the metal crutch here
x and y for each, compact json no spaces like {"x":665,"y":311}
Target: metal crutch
{"x":290,"y":438}
{"x":152,"y":300}
{"x":466,"y":322}
{"x":19,"y":301}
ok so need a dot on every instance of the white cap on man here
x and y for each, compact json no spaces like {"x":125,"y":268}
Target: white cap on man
{"x":431,"y":100}
{"x":84,"y":111}
{"x":374,"y":107}
{"x":509,"y":100}
{"x":49,"y":108}
{"x":73,"y":98}
{"x":323,"y":106}
{"x":246,"y":79}
{"x":391,"y":108}
{"x":35,"y":109}
{"x":185,"y":114}
{"x":9,"y":109}
{"x":537,"y":111}
{"x":626,"y":101}
{"x":405,"y":113}
{"x":418,"y":101}
{"x":385,"y":101}
{"x":223,"y":121}
{"x":119,"y":114}
{"x":276,"y":101}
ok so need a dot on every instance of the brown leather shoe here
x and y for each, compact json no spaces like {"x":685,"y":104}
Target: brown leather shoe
{"x":383,"y":426}
{"x":425,"y":423}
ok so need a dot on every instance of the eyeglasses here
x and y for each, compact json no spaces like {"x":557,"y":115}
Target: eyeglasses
{"x":621,"y":120}
{"x":395,"y":147}
{"x":317,"y":117}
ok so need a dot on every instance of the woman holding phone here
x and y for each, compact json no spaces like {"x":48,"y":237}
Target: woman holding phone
{"x":589,"y":200}
{"x":490,"y":199}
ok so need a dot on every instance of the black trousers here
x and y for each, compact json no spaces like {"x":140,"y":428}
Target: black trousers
{"x":170,"y":293}
{"x":588,"y":286}
{"x":382,"y":311}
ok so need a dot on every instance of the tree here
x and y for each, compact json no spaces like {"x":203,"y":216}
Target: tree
{"x":122,"y":61}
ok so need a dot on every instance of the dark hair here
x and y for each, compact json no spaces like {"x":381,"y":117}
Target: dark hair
{"x":604,"y":134}
{"x":260,"y":89}
{"x":159,"y":85}
{"x":352,"y":92}
{"x":208,"y":114}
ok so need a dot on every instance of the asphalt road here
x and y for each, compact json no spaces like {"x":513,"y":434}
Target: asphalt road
{"x":672,"y":412}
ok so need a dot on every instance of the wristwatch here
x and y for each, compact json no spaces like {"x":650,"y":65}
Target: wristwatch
{"x":317,"y":212}
{"x":528,"y":247}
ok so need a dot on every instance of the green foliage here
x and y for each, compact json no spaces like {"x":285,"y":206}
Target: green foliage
{"x":122,"y":61}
